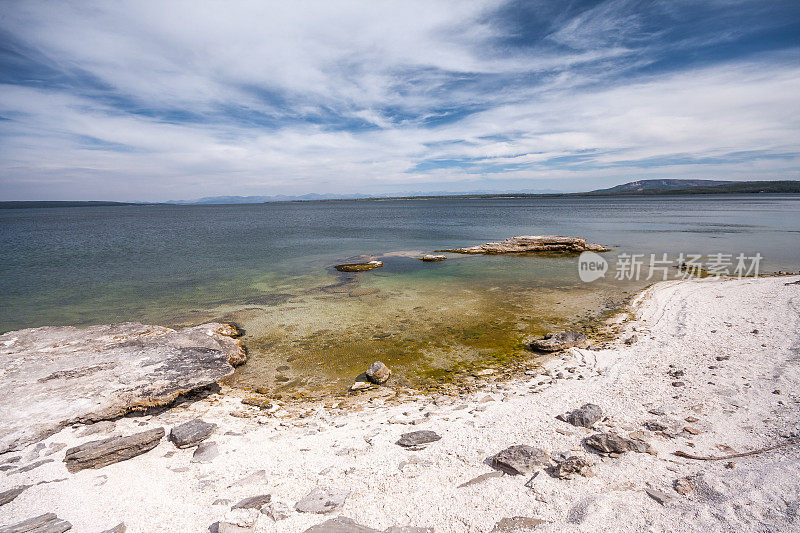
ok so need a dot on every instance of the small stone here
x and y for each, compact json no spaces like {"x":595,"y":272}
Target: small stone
{"x":722,"y":357}
{"x":655,"y":425}
{"x":520,"y":459}
{"x":691,"y":419}
{"x":259,"y":476}
{"x":657,"y":412}
{"x":661,"y":497}
{"x":205,"y":452}
{"x":242,"y":517}
{"x":481,"y":478}
{"x":227,"y":527}
{"x":277,"y":511}
{"x":10,"y":494}
{"x":253,"y":502}
{"x":730,"y":465}
{"x":692,"y":430}
{"x":678,"y":383}
{"x":631,"y":340}
{"x":516,"y":523}
{"x":572,"y":466}
{"x":360,"y":385}
{"x":119,"y":528}
{"x":322,"y":500}
{"x":378,"y":372}
{"x":613,"y":443}
{"x":417,"y":439}
{"x":100,"y":453}
{"x":46,"y":523}
{"x":776,"y":391}
{"x":585,"y":416}
{"x":341,"y":524}
{"x":191,"y":433}
{"x":683,"y":486}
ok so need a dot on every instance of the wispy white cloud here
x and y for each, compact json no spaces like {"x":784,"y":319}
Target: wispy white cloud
{"x":146,"y":100}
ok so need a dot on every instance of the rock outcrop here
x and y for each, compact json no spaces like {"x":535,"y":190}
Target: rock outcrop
{"x":100,"y":453}
{"x":430,"y":258}
{"x":56,"y":376}
{"x":530,"y":244}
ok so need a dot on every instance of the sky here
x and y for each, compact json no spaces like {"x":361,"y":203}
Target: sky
{"x":166,"y":100}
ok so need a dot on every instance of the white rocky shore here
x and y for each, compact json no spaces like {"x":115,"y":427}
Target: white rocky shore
{"x":707,"y":368}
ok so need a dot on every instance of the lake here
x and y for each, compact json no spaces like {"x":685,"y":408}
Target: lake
{"x":268,"y":267}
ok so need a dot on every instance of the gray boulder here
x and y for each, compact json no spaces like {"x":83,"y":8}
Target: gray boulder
{"x":191,"y":433}
{"x":520,"y":459}
{"x":378,"y":372}
{"x":559,"y":341}
{"x":585,"y":416}
{"x":206,"y":452}
{"x":416,"y":440}
{"x":340,"y":524}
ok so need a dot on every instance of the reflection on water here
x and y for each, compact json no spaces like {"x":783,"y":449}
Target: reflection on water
{"x":310,"y":328}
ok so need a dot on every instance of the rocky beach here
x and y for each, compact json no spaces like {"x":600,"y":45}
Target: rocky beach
{"x":686,"y":420}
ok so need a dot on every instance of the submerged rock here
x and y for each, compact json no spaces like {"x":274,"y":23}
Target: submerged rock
{"x":359,"y":267}
{"x":520,"y":459}
{"x":100,"y":453}
{"x":378,"y":372}
{"x":532,"y":243}
{"x":559,"y":341}
{"x":56,"y":376}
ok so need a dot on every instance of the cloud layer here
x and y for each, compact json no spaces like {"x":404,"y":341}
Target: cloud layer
{"x":166,"y":100}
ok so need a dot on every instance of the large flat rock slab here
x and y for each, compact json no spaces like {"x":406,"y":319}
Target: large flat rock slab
{"x":530,"y":244}
{"x":55,"y":376}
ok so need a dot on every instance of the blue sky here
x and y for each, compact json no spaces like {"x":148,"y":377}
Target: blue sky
{"x":154,"y":100}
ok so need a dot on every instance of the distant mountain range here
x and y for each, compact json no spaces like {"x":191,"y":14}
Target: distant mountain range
{"x":633,"y":188}
{"x":648,"y":187}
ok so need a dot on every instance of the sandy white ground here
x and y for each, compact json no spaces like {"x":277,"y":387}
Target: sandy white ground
{"x":680,"y":326}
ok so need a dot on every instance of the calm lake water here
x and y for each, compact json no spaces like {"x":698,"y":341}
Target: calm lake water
{"x":268,"y":268}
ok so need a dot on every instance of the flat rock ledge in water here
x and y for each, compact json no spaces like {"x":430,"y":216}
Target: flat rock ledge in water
{"x":100,"y":453}
{"x":531,"y":244}
{"x":56,"y":376}
{"x":359,"y":267}
{"x":46,"y":523}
